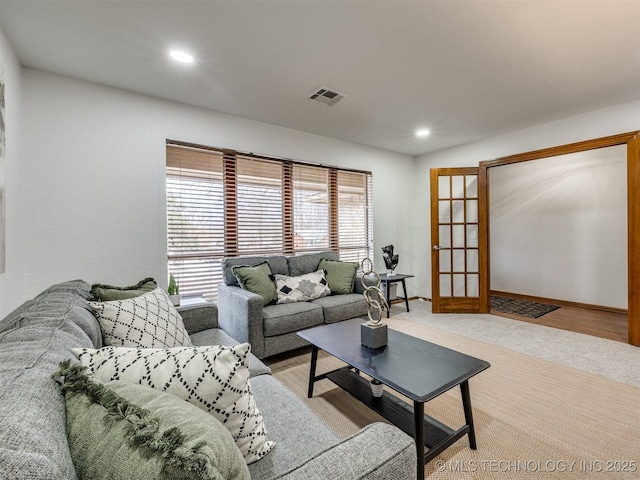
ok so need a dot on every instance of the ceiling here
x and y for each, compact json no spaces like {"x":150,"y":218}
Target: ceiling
{"x":466,"y":70}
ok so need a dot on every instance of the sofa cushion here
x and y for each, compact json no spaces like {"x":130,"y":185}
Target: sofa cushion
{"x":302,"y":288}
{"x":106,"y":293}
{"x":277,"y":263}
{"x":146,"y":321}
{"x":121,"y":430}
{"x":340,"y":275}
{"x":286,"y":413}
{"x":290,"y":317}
{"x":257,"y":279}
{"x":337,"y":308}
{"x":308,"y":262}
{"x":214,"y":378}
{"x":352,"y":458}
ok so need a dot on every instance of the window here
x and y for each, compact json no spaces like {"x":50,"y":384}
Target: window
{"x":311,"y":208}
{"x":354,"y":216}
{"x":222,"y":203}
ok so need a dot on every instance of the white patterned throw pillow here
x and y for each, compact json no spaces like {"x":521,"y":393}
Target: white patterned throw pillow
{"x":302,"y":288}
{"x":214,"y":378}
{"x":146,"y":321}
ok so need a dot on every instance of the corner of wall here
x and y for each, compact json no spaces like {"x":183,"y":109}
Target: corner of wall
{"x":11,"y":283}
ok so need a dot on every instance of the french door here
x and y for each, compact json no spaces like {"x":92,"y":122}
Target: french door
{"x":459,"y":236}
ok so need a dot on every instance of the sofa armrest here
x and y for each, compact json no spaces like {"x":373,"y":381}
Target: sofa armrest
{"x":240,"y":315}
{"x":197,"y":318}
{"x":377,"y":452}
{"x":369,"y":281}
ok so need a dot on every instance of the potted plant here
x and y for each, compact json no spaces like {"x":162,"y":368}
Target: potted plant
{"x":173,"y":290}
{"x":376,"y":387}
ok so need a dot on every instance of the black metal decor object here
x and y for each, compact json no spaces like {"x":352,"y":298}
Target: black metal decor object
{"x":390,"y":260}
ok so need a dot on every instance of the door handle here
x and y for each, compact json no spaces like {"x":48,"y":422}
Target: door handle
{"x":437,"y":247}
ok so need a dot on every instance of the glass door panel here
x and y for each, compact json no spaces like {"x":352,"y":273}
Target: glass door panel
{"x":458,"y":234}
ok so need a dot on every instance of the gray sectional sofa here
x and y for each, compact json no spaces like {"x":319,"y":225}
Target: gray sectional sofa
{"x":33,"y":443}
{"x":271,"y":329}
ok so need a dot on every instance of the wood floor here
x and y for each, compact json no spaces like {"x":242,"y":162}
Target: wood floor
{"x":612,"y":326}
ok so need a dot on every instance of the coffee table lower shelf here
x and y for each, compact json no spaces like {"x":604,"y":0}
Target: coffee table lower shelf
{"x":437,"y":436}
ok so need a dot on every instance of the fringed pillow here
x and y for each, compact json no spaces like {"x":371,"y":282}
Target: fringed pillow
{"x":126,"y":431}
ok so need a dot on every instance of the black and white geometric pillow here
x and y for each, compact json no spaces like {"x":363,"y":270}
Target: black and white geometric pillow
{"x":147,"y":321}
{"x":302,"y":288}
{"x":214,"y":378}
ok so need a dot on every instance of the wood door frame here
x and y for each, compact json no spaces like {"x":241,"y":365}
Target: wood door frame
{"x":462,"y":304}
{"x":632,"y":140}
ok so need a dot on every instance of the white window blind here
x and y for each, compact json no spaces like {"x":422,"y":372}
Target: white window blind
{"x":260,"y":206}
{"x":223,"y":203}
{"x":355,"y":236}
{"x":195,"y":219}
{"x":311,"y":208}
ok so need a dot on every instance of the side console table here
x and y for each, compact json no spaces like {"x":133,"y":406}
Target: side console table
{"x":398,"y":277}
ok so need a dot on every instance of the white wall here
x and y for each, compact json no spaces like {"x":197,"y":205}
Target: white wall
{"x":85,"y":177}
{"x":94,"y":160}
{"x":600,"y":123}
{"x":559,"y":227}
{"x":12,"y":280}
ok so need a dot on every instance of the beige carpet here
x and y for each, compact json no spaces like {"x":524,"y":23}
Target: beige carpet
{"x":533,"y":418}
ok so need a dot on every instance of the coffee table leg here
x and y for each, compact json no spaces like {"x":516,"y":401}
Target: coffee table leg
{"x":466,"y":404}
{"x":418,"y":418}
{"x":312,"y":370}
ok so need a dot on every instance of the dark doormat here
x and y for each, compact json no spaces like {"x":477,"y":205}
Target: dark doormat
{"x":523,"y":308}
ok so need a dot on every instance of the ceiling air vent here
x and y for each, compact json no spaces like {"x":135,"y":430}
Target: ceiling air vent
{"x":326,"y":96}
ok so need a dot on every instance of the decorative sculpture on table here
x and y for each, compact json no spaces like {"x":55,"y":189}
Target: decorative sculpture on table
{"x":373,"y":333}
{"x":390,"y":260}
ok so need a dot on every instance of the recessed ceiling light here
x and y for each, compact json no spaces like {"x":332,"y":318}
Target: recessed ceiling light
{"x":181,"y":56}
{"x":423,"y":132}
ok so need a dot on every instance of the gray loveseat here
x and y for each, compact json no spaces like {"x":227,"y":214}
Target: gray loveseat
{"x":271,"y":329}
{"x":33,"y":443}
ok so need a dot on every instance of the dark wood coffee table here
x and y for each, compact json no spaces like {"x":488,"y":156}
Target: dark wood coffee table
{"x":418,"y":369}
